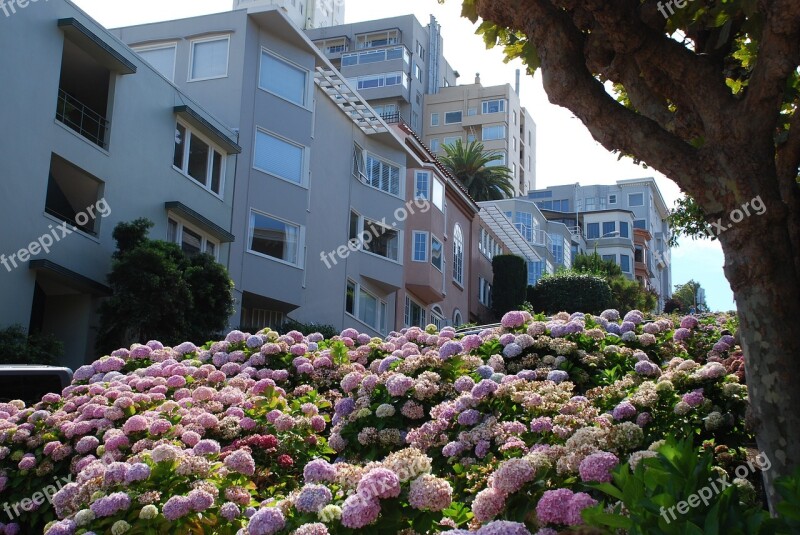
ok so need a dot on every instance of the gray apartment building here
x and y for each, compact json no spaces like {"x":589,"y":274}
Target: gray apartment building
{"x":392,"y":62}
{"x":625,"y":222}
{"x":95,"y":136}
{"x":319,"y":169}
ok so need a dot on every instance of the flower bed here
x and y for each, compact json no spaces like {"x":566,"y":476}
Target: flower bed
{"x":505,"y":431}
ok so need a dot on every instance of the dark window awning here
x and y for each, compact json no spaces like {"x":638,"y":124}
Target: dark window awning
{"x":195,"y":119}
{"x":199,"y":220}
{"x":94,"y":45}
{"x":69,"y":278}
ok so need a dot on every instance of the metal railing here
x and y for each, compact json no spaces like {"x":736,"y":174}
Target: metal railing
{"x":82,"y":119}
{"x":393,"y":117}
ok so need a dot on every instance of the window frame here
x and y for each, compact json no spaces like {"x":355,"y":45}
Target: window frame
{"x":440,"y":267}
{"x":435,"y":118}
{"x":627,"y":257}
{"x":501,"y":107}
{"x":212,"y":148}
{"x":491,"y":128}
{"x":417,"y":192}
{"x":589,"y":226}
{"x":400,"y":174}
{"x":632,"y":195}
{"x":415,"y":234}
{"x":300,"y":238}
{"x":289,"y":63}
{"x":381,"y":309}
{"x":407,"y":313}
{"x":458,"y":255}
{"x":460,"y":117}
{"x":193,"y":42}
{"x":204,"y":236}
{"x":303,"y":160}
{"x":161,"y":46}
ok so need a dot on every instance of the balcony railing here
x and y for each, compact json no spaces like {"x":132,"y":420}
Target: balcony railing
{"x":79,"y":117}
{"x":392,"y":117}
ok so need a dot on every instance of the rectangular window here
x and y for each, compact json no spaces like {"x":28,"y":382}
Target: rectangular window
{"x":513,"y":143}
{"x":198,"y":159}
{"x":623,"y":229}
{"x":274,"y":238}
{"x":382,"y":175}
{"x":417,"y":72}
{"x":451,"y":140}
{"x":422,"y":185}
{"x":635,"y":199}
{"x":161,"y":58}
{"x":515,"y":117}
{"x":420,"y":51}
{"x":494,"y":106}
{"x":490,"y":133}
{"x":609,"y":227}
{"x":438,"y":194}
{"x":209,"y":58}
{"x":472,"y":111}
{"x":500,"y":161}
{"x":70,"y":192}
{"x":278,"y":157}
{"x":470,"y":138}
{"x":436,"y":253}
{"x":640,"y":223}
{"x":535,"y":272}
{"x":384,"y":240}
{"x":190,"y":240}
{"x":420,"y":246}
{"x":376,"y":39}
{"x":625,"y":263}
{"x":434,"y":119}
{"x":350,"y":298}
{"x":368,"y":308}
{"x":414,"y":314}
{"x":283,"y":79}
{"x":435,"y":145}
{"x":484,"y":292}
{"x":452,"y":117}
{"x":373,"y":81}
{"x":612,"y":199}
{"x":593,"y":231}
{"x":610,"y":258}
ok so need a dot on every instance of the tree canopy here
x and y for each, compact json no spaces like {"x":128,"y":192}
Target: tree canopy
{"x":470,"y":163}
{"x":706,"y":93}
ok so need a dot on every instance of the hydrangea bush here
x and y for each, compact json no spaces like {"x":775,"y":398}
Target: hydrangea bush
{"x":508,"y":431}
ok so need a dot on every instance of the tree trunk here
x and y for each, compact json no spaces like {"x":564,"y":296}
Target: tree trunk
{"x":761,"y":265}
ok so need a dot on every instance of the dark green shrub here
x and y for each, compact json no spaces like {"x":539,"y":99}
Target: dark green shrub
{"x":328,"y":331}
{"x":509,"y":283}
{"x":18,"y":347}
{"x":570,"y":292}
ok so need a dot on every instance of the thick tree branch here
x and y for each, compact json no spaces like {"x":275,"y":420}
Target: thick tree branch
{"x":788,"y":154}
{"x":568,"y":83}
{"x":778,"y":57}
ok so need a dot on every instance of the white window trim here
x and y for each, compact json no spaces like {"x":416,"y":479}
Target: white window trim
{"x":436,"y":113}
{"x":301,"y":239}
{"x":204,"y":235}
{"x":422,"y":308}
{"x":614,"y":197}
{"x":212,"y":147}
{"x":307,"y":93}
{"x":456,"y":281}
{"x":162,"y":46}
{"x":493,"y":126}
{"x":485,"y":104}
{"x":414,"y":246}
{"x":305,"y":165}
{"x":635,"y":205}
{"x":226,"y":37}
{"x":358,"y":289}
{"x":361,"y":230}
{"x":430,"y":185}
{"x":453,"y":122}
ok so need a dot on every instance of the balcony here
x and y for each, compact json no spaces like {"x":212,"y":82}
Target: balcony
{"x":76,"y":115}
{"x":424,"y":281}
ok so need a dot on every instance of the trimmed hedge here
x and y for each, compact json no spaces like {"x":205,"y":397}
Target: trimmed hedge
{"x":509,"y":283}
{"x":571,"y":292}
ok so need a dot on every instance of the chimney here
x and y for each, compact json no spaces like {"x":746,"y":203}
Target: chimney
{"x":516,"y":84}
{"x":477,"y":78}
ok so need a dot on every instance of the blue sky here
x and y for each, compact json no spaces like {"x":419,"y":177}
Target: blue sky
{"x":566,"y":153}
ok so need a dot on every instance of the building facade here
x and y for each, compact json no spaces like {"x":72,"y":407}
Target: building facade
{"x":392,"y":62}
{"x":625,"y":222}
{"x":305,"y":14}
{"x":492,"y":115}
{"x":100,"y":138}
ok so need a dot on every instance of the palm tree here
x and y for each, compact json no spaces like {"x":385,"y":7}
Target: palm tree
{"x":470,"y":164}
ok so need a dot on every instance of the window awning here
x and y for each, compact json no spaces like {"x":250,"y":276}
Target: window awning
{"x":494,"y":218}
{"x":199,"y":220}
{"x":195,"y":119}
{"x":94,"y":45}
{"x":69,"y":278}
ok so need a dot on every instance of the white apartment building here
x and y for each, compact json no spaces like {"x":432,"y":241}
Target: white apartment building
{"x":305,"y":14}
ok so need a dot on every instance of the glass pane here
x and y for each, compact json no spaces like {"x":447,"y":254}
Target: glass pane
{"x":350,"y":297}
{"x":278,"y":157}
{"x":180,"y":139}
{"x":198,"y":160}
{"x":274,"y":238}
{"x":211,"y":248}
{"x":367,"y":308}
{"x":172,"y":231}
{"x":210,"y":59}
{"x":191,"y":242}
{"x":436,"y":253}
{"x":162,"y":59}
{"x":216,"y":172}
{"x":354,"y":231}
{"x":438,"y":194}
{"x":283,"y":79}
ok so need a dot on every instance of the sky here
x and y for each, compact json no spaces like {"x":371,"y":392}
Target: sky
{"x":565,"y":152}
